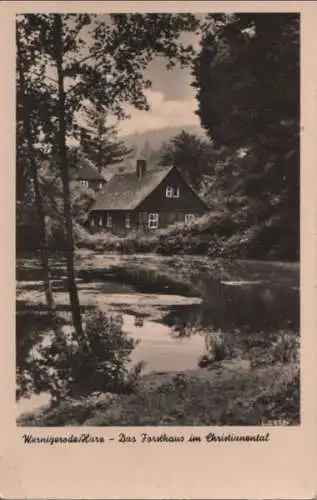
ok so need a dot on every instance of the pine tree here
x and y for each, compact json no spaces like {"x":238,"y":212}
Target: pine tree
{"x":100,"y":142}
{"x":191,"y":154}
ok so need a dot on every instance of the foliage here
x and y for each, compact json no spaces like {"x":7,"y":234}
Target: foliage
{"x":247,"y":81}
{"x":99,"y":141}
{"x":282,"y":407}
{"x":286,"y":348}
{"x":216,"y":348}
{"x":69,"y":366}
{"x":278,"y":349}
{"x":215,"y":234}
{"x":105,"y":70}
{"x":81,"y":198}
{"x":220,"y":397}
{"x":111,"y":75}
{"x":191,"y":154}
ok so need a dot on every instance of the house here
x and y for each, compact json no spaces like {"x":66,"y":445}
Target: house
{"x":145,"y":200}
{"x":88,"y":176}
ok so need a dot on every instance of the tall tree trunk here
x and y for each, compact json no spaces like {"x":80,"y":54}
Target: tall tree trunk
{"x":68,"y":221}
{"x":38,"y":198}
{"x":100,"y":158}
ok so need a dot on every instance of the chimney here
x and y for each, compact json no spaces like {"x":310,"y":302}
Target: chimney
{"x":140,"y":168}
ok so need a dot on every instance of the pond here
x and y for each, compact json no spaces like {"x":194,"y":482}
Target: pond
{"x":169,"y":311}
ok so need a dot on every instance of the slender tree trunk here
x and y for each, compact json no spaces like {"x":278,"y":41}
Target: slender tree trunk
{"x":100,"y":158}
{"x":38,"y":198}
{"x":72,"y":287}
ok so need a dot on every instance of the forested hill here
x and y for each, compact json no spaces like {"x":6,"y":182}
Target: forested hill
{"x":156,"y":138}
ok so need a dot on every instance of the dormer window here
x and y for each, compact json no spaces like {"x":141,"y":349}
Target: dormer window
{"x":172,"y":192}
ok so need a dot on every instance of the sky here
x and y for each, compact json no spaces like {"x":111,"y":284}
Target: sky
{"x":171,"y":98}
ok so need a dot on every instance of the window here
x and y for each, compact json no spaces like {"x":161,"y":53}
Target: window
{"x":189,"y":218}
{"x":127,"y":221}
{"x":109,"y":221}
{"x":84,"y":183}
{"x":172,"y":192}
{"x":92,"y":222}
{"x":153,"y":221}
{"x":100,"y":221}
{"x":100,"y":185}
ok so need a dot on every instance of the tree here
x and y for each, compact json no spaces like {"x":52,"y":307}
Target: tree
{"x":247,"y":81}
{"x":100,"y":142}
{"x":27,"y":120}
{"x":109,"y":76}
{"x":81,"y":199}
{"x":191,"y":154}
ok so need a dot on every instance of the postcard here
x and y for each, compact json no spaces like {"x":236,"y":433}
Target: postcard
{"x":159,"y":261}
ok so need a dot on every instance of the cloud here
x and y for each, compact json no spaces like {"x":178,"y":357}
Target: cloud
{"x":163,"y":113}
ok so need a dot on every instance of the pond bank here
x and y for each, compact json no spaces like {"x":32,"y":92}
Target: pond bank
{"x":230,"y":394}
{"x":171,"y":303}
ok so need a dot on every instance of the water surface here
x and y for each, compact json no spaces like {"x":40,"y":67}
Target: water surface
{"x":169,"y":312}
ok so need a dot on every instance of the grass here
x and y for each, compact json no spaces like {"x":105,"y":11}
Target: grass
{"x":263,"y":390}
{"x":220,"y":396}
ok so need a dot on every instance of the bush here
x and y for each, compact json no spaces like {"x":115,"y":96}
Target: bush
{"x":193,"y":238}
{"x":286,"y":348}
{"x":217,"y":349}
{"x":282,"y":408}
{"x":279,"y":348}
{"x":100,"y":361}
{"x":239,"y":397}
{"x":213,"y":234}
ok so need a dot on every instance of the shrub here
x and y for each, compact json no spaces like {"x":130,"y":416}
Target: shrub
{"x":100,"y":361}
{"x":281,"y":347}
{"x":282,"y":408}
{"x":215,"y":234}
{"x":194,"y":238}
{"x":217,"y":349}
{"x":286,"y":348}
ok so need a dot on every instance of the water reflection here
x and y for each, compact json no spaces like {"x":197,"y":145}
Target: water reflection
{"x":250,"y":313}
{"x":141,"y":280}
{"x":139,"y":321}
{"x":259,"y":305}
{"x":160,"y":351}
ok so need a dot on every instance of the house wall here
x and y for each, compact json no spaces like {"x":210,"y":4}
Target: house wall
{"x":170,"y":210}
{"x":118,"y":219}
{"x":93,"y":183}
{"x":188,"y":200}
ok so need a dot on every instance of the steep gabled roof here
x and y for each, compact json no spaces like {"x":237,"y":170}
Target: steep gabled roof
{"x":125,"y":191}
{"x":87,"y":172}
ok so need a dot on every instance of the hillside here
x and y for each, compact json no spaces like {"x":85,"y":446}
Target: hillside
{"x":155,"y":138}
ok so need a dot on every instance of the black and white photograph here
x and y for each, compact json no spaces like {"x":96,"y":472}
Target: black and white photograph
{"x":157,"y":219}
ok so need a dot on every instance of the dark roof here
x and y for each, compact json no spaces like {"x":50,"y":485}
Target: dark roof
{"x":125,"y":191}
{"x":87,"y":171}
{"x":79,"y":168}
